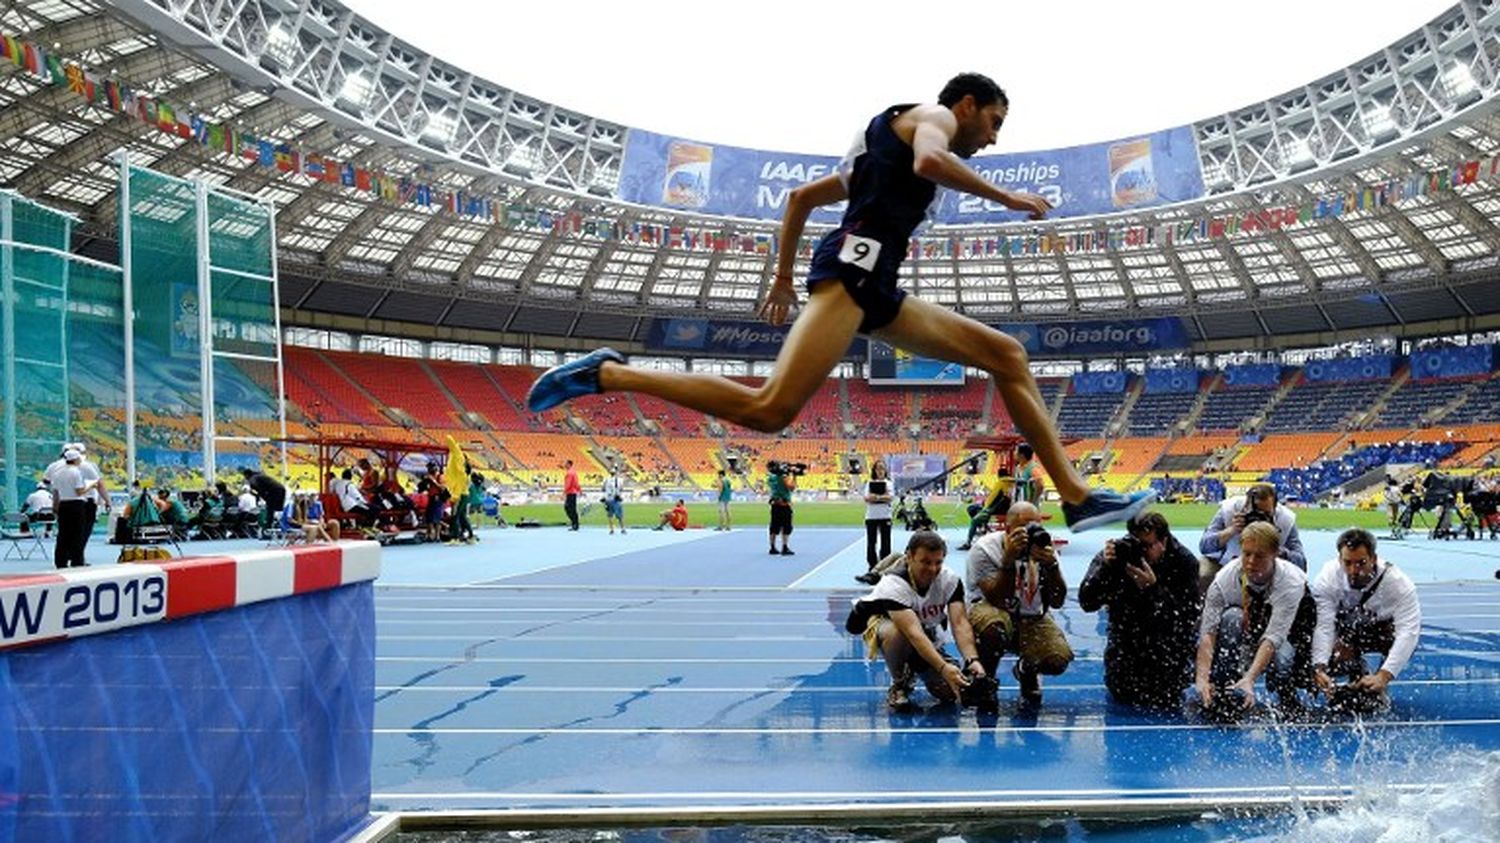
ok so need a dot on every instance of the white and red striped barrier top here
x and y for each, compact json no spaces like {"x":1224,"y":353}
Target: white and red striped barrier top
{"x":51,"y":606}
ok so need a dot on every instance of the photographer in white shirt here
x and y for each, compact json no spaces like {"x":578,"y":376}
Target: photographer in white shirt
{"x":1365,"y":605}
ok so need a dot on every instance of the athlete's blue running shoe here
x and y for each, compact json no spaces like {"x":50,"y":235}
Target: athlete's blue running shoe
{"x":570,"y":380}
{"x":1106,"y":506}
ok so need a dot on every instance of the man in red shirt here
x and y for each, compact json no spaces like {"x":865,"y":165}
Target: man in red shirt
{"x":676,"y":517}
{"x":571,"y":490}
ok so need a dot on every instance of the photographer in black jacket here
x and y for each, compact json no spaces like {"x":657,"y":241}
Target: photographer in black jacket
{"x":1149,"y":582}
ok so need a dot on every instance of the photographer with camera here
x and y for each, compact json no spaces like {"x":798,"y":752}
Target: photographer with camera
{"x":1013,"y":579}
{"x":1221,"y":539}
{"x":1149,"y":582}
{"x":1365,"y":605}
{"x":781,"y":481}
{"x":902,"y":616}
{"x":1258,"y":617}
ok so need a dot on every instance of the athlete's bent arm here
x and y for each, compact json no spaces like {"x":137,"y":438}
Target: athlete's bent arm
{"x":782,"y":296}
{"x":932,"y":160}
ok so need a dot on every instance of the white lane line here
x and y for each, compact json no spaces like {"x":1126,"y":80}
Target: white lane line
{"x":645,"y":590}
{"x":877,"y":731}
{"x":864,"y":796}
{"x":486,"y":624}
{"x":621,"y":610}
{"x":825,"y":563}
{"x":819,"y":689}
{"x":615,"y":639}
{"x":456,"y":660}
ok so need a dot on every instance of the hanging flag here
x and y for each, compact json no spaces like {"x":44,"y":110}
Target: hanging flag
{"x":76,"y":82}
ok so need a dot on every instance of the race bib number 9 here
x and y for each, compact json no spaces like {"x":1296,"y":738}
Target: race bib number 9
{"x":860,"y":251}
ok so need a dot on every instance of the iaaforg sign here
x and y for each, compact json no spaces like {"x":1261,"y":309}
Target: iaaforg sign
{"x":1099,"y":337}
{"x":715,"y":336}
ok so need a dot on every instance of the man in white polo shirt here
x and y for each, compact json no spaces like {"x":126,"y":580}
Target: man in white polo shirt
{"x":1365,"y":605}
{"x":70,"y":493}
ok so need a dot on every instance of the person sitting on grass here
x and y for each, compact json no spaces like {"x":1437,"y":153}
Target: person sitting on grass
{"x":676,"y":517}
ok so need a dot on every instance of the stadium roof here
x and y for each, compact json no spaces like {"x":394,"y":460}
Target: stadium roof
{"x":311,"y":74}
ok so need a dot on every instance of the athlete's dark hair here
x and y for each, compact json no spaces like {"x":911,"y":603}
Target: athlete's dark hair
{"x":983,"y":89}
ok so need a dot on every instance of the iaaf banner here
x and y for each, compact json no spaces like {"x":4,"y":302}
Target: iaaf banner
{"x":1054,"y":339}
{"x":715,"y":336}
{"x":1097,"y":178}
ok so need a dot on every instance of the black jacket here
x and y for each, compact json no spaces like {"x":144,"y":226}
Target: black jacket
{"x":1153,"y":632}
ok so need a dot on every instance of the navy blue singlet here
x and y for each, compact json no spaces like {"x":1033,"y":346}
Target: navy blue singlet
{"x":887,"y":201}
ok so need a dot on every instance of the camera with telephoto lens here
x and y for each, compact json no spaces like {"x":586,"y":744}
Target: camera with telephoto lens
{"x":795,"y":469}
{"x":1253,"y":516}
{"x":1037,"y":535}
{"x":1129,"y":551}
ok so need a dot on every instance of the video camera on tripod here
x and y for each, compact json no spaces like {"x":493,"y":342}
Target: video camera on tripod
{"x":794,"y":469}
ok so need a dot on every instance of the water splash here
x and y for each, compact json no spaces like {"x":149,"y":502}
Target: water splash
{"x":1461,"y":802}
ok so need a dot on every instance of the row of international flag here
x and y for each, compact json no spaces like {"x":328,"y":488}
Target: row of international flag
{"x":121,"y":98}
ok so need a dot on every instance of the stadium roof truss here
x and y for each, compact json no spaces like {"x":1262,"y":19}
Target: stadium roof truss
{"x":313,"y":73}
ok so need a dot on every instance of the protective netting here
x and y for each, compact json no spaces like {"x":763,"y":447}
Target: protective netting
{"x":249,"y":724}
{"x":192,"y":247}
{"x":61,"y":329}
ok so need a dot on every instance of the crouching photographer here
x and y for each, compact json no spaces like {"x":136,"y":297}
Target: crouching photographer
{"x":1149,"y":582}
{"x":781,"y":481}
{"x":1365,"y":605}
{"x":1258,"y":617}
{"x":902,"y":619}
{"x":1013,"y":579}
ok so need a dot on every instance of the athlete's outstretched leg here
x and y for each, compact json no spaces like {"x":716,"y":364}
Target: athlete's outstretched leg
{"x":817,"y":341}
{"x":932,"y":331}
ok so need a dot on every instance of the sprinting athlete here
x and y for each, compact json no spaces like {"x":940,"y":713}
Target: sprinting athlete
{"x":890,"y":177}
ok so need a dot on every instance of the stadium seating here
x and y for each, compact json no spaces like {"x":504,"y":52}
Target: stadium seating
{"x":478,"y":394}
{"x":1482,"y":405}
{"x":1323,"y":406}
{"x":878,"y":412}
{"x":1227,"y":408}
{"x":1158,"y":412}
{"x":1307,"y":484}
{"x":1414,"y":399}
{"x":1088,"y":414}
{"x":1285,"y":450}
{"x":1135,"y":454}
{"x":398,"y":382}
{"x":322,"y":392}
{"x":608,"y":414}
{"x":673,"y":420}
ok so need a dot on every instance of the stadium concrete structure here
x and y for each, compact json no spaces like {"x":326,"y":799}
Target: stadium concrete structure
{"x":362,"y":272}
{"x":1331,"y":291}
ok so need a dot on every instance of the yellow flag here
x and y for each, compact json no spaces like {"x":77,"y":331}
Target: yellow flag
{"x":454,"y":476}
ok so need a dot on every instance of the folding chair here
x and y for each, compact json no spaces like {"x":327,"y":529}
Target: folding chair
{"x":15,"y":529}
